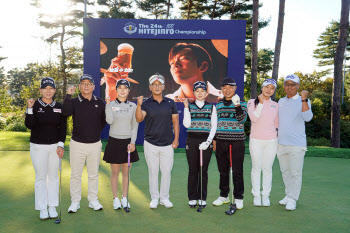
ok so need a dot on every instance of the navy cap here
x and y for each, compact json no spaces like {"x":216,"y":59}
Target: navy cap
{"x":47,"y":81}
{"x":123,"y":82}
{"x":200,"y":84}
{"x":228,"y":81}
{"x":87,"y":77}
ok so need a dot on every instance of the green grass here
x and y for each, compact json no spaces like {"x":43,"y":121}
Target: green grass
{"x":19,"y":141}
{"x":324,"y":204}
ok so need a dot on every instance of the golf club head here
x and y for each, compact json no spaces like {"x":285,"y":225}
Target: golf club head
{"x":58,"y":221}
{"x":126,"y":209}
{"x":232,"y":210}
{"x":199,"y":210}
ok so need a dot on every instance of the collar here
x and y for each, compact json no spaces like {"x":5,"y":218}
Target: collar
{"x":119,"y":102}
{"x":200,"y":103}
{"x":156,"y":100}
{"x":294,"y":97}
{"x":267,"y":100}
{"x":45,"y":104}
{"x":227,"y":102}
{"x":81,"y":98}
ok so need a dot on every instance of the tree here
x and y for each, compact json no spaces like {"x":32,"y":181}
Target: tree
{"x":64,"y":27}
{"x":338,"y":65}
{"x":278,"y":43}
{"x":156,"y":8}
{"x":327,"y":44}
{"x":193,"y":9}
{"x":254,"y":70}
{"x":116,"y":9}
{"x":2,"y":74}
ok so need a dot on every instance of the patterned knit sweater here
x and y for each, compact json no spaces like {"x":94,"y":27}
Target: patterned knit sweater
{"x":200,"y":118}
{"x":231,"y":120}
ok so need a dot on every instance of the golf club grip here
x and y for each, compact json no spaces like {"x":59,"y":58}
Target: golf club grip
{"x":201,"y":158}
{"x":230,"y":155}
{"x":60,"y":164}
{"x":128,"y":158}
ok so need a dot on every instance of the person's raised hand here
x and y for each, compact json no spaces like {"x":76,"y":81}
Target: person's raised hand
{"x":304,"y":94}
{"x":30,"y":103}
{"x":185,"y":101}
{"x":108,"y":100}
{"x":71,"y":90}
{"x":140,"y":100}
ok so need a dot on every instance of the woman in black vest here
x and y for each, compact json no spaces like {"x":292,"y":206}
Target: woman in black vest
{"x":48,"y":133}
{"x":200,"y":119}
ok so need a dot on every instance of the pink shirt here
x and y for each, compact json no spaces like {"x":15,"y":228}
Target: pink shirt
{"x":264,"y":119}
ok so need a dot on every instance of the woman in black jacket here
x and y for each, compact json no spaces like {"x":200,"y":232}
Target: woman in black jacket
{"x":48,"y":133}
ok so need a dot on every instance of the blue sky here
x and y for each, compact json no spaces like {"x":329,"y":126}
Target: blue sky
{"x":304,"y":22}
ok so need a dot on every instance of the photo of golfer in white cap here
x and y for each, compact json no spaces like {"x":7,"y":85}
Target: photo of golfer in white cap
{"x":161,"y":138}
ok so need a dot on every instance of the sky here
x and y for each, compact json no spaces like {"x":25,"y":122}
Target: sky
{"x":304,"y":21}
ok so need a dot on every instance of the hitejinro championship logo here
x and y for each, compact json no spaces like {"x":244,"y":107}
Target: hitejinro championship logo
{"x":158,"y":29}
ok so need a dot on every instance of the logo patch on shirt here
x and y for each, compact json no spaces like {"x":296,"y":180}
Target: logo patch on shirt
{"x":115,"y":109}
{"x":96,"y":106}
{"x":41,"y":110}
{"x":57,"y":110}
{"x":273,"y":106}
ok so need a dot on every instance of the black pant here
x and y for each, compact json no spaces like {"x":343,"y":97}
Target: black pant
{"x":194,"y":172}
{"x":223,"y":160}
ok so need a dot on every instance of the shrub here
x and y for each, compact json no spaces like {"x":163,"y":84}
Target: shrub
{"x":318,"y":142}
{"x":17,"y":126}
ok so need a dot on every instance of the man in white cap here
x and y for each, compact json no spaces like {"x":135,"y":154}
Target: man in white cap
{"x":294,"y":110}
{"x":161,"y":118}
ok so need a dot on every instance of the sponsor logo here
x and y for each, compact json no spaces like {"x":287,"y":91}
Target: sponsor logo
{"x":57,"y":110}
{"x":130,"y":28}
{"x":41,"y":110}
{"x":96,"y":106}
{"x":115,"y":109}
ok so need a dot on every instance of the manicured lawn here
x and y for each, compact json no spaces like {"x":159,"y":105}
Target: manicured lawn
{"x":324,"y":204}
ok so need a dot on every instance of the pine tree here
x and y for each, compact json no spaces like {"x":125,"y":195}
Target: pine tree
{"x":327,"y":45}
{"x":116,"y":9}
{"x":64,"y":27}
{"x":155,"y":8}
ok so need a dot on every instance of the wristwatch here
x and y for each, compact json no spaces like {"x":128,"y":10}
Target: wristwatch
{"x":305,"y":100}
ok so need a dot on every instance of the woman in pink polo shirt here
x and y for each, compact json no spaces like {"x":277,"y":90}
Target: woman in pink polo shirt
{"x":263,"y":114}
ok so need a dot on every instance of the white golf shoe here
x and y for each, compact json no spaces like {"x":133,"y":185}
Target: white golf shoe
{"x":166,"y":203}
{"x":153,"y":204}
{"x":284,"y":201}
{"x":257,"y":200}
{"x":116,"y":204}
{"x":44,"y":215}
{"x":202,"y":203}
{"x":52,"y":212}
{"x":125,"y":202}
{"x":74,"y":206}
{"x":95,"y":205}
{"x":221,"y":200}
{"x":239,"y":204}
{"x":291,"y":204}
{"x":192,"y":203}
{"x":265,"y":201}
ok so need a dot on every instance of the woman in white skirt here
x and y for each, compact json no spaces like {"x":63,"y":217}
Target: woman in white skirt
{"x":263,"y":113}
{"x":120,"y":114}
{"x":48,"y":133}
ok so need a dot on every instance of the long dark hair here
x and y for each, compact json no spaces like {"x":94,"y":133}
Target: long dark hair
{"x":256,"y":101}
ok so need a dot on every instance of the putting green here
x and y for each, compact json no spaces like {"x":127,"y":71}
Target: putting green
{"x":324,"y":204}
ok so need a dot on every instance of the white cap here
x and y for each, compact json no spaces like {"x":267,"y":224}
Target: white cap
{"x":292,"y":77}
{"x":156,"y":77}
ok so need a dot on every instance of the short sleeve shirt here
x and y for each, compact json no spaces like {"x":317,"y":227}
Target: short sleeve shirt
{"x":158,"y":121}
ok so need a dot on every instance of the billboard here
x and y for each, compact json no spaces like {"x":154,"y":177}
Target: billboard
{"x":137,"y":49}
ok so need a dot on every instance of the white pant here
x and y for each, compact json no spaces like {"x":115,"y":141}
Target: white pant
{"x":79,"y":153}
{"x":46,"y":162}
{"x":291,"y":160}
{"x":263,"y":153}
{"x":163,"y":157}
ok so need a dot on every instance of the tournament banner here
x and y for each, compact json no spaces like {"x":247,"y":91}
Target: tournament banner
{"x":136,"y":49}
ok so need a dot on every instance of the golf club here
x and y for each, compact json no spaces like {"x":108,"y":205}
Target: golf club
{"x":201,"y":164}
{"x":233,"y":207}
{"x":126,"y":208}
{"x":58,"y":221}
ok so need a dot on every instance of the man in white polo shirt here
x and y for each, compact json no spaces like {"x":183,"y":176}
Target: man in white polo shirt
{"x":294,"y":110}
